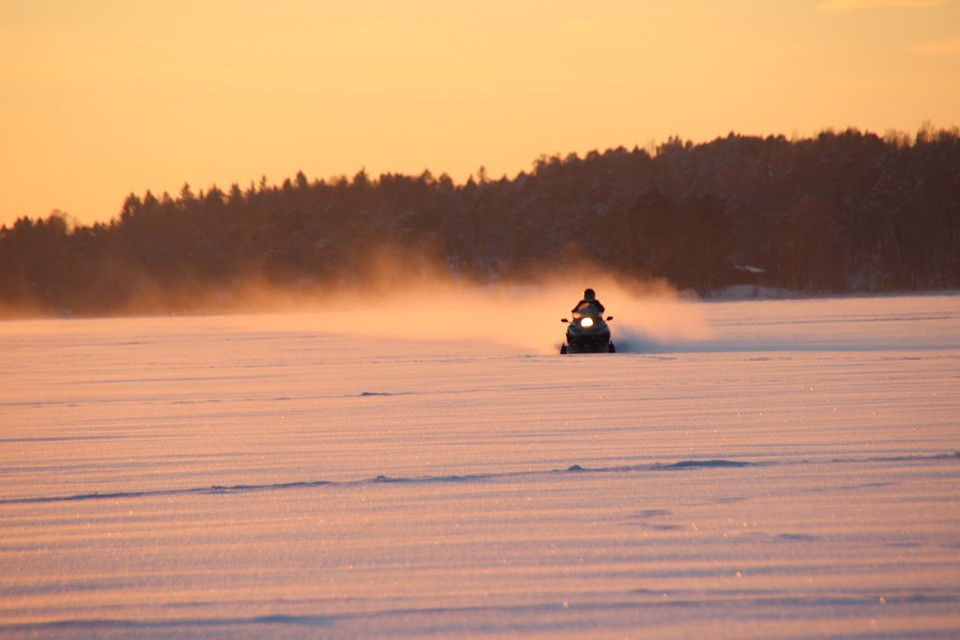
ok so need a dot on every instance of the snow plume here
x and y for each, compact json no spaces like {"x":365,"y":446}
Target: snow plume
{"x":410,"y":292}
{"x":410,"y":295}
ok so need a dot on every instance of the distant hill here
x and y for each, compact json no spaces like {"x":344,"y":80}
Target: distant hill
{"x":838,"y":213}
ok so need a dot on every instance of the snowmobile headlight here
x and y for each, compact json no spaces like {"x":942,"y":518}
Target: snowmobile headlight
{"x":586,"y":323}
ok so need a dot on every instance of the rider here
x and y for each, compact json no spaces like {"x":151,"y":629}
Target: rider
{"x":589,"y":298}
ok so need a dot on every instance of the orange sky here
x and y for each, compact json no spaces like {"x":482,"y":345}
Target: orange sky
{"x":101,"y":98}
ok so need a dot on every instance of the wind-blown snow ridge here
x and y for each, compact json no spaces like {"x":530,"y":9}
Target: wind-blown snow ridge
{"x":383,"y":479}
{"x":694,"y":464}
{"x":117,"y":624}
{"x":648,"y":601}
{"x":681,"y":465}
{"x":380,"y":479}
{"x":939,"y":456}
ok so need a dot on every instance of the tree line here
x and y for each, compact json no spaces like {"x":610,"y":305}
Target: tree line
{"x":841,"y":212}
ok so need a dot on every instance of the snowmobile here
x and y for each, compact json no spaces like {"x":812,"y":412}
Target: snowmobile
{"x":588,"y":332}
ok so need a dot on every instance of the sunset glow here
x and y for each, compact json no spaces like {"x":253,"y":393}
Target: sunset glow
{"x":99,"y":99}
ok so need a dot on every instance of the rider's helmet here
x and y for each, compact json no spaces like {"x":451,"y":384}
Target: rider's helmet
{"x":589,"y":294}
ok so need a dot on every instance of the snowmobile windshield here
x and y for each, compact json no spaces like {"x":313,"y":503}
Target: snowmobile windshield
{"x":586,"y":309}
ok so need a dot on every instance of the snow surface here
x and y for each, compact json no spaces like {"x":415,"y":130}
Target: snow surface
{"x":774,"y":469}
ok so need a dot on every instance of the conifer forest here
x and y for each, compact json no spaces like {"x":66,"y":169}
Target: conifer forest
{"x":838,"y":213}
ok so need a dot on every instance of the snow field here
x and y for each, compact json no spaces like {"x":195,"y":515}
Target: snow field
{"x":760,"y":469}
